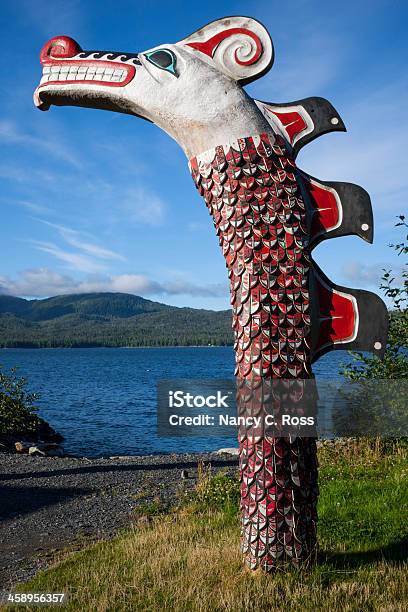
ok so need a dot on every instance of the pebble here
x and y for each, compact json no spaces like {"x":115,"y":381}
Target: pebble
{"x":228,"y":451}
{"x":47,"y":502}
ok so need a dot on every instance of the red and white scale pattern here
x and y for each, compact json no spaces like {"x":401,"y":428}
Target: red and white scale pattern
{"x":251,"y":191}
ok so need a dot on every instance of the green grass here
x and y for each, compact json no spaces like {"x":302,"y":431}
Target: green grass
{"x":190,"y":560}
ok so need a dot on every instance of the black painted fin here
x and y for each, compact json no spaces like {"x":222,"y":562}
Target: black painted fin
{"x":302,"y":121}
{"x":346,"y":319}
{"x":337,"y":209}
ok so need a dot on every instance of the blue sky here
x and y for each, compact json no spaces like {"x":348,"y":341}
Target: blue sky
{"x":92,"y":200}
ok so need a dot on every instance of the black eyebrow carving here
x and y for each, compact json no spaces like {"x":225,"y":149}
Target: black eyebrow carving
{"x":111,"y":55}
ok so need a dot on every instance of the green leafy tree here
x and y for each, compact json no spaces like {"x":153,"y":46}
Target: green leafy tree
{"x":394,"y":365}
{"x":376,"y":399}
{"x":17,"y":409}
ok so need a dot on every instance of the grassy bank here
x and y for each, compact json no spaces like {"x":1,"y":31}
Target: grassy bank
{"x":189,"y":559}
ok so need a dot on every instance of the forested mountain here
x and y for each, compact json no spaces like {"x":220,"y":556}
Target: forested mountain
{"x":107,"y":319}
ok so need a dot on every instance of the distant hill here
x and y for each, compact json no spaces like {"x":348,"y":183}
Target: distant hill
{"x":107,"y":319}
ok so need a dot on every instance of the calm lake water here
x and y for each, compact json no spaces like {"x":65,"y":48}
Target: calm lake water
{"x":103,"y":401}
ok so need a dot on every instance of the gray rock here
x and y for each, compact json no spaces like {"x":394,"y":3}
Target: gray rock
{"x":55,"y":452}
{"x":47,"y":446}
{"x":21,"y":447}
{"x":121,"y":457}
{"x":34,"y":451}
{"x":227,"y":451}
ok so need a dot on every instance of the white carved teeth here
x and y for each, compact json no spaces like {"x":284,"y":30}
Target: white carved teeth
{"x":77,"y":72}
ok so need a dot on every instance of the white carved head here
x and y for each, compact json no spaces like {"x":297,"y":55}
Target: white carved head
{"x":191,"y":89}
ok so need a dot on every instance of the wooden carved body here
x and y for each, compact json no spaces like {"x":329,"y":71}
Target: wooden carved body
{"x":251,"y":192}
{"x":269,"y":215}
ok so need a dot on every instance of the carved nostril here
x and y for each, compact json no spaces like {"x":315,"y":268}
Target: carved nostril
{"x":59,"y":47}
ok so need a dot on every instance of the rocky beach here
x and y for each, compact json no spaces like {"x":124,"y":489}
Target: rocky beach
{"x":48,"y":504}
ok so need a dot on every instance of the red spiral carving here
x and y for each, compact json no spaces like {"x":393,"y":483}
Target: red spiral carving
{"x":209,"y":46}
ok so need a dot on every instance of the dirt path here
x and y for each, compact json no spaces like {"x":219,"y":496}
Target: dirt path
{"x":49,"y":503}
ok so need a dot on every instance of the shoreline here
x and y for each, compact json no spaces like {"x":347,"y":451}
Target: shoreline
{"x":51,"y":348}
{"x":48,"y":504}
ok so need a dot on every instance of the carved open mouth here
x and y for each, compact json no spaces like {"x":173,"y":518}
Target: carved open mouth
{"x":65,"y":63}
{"x":97,"y":72}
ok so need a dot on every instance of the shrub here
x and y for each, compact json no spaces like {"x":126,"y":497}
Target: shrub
{"x":394,"y":365}
{"x":219,"y":492}
{"x":18,"y":416}
{"x":374,"y":400}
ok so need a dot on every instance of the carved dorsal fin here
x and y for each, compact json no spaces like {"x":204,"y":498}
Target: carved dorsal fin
{"x":302,"y":121}
{"x":336,"y":209}
{"x":346,"y":319}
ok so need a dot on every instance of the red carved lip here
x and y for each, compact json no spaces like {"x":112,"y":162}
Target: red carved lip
{"x":62,"y":66}
{"x":95,"y":72}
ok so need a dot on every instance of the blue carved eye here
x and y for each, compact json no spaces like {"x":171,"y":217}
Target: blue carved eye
{"x":164,"y":59}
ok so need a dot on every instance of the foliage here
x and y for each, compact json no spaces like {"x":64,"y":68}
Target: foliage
{"x":219,"y":492}
{"x":394,"y":365}
{"x":153,"y":508}
{"x":17,"y":410}
{"x":108,"y":319}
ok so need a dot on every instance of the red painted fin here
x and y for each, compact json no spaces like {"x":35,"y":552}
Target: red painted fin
{"x":345,"y":318}
{"x":337,"y":209}
{"x":301,"y":121}
{"x":338,"y":316}
{"x":327,"y":211}
{"x":293,"y":121}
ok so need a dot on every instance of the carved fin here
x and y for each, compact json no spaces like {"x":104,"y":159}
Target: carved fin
{"x":347,"y":318}
{"x":302,"y":121}
{"x":337,"y":209}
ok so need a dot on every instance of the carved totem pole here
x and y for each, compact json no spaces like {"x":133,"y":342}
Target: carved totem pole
{"x":268,"y":215}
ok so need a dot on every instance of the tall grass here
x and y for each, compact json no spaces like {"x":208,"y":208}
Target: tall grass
{"x":189,"y":559}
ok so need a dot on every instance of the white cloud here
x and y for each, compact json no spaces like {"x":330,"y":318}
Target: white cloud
{"x":27,"y":204}
{"x":363,"y":274}
{"x":42,"y":282}
{"x":32,"y":206}
{"x":39,"y":282}
{"x":370,"y":274}
{"x":11,"y":134}
{"x":179,"y":286}
{"x":141,"y":205}
{"x":77,"y":261}
{"x":86,"y":258}
{"x":77,"y":240}
{"x":13,"y":173}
